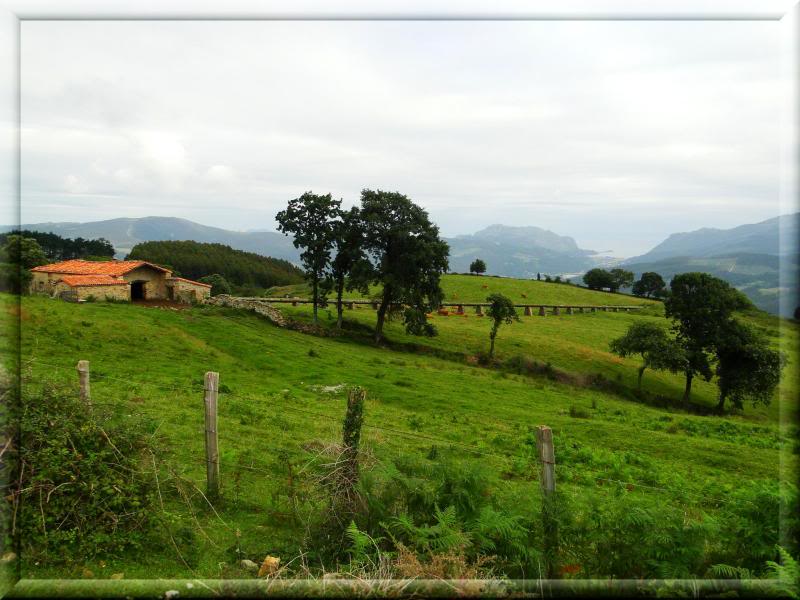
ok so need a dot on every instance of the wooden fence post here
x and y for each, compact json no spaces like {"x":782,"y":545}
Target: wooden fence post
{"x":211,"y":387}
{"x":528,"y":312}
{"x":83,"y":380}
{"x":542,"y":313}
{"x":478,"y":310}
{"x":544,"y":443}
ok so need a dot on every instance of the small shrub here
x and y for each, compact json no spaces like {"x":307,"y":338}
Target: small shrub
{"x":578,"y":413}
{"x":115,"y":490}
{"x":313,"y":353}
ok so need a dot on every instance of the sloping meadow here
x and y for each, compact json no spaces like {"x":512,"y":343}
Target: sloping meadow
{"x":644,"y":491}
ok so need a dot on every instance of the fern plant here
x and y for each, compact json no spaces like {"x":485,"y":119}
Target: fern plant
{"x":787,"y":572}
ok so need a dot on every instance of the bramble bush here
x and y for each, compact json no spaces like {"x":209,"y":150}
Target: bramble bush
{"x":85,"y":488}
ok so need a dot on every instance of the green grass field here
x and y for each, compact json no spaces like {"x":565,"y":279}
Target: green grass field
{"x":466,"y":288}
{"x":276,"y":414}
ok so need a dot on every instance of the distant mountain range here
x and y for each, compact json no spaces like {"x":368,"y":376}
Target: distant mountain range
{"x":776,"y":237}
{"x":125,"y":233}
{"x":519,"y":252}
{"x":761,"y":259}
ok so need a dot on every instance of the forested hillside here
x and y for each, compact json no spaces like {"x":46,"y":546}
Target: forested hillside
{"x":57,"y":248}
{"x":195,"y":260}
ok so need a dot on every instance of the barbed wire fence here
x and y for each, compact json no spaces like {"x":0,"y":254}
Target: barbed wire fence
{"x":215,"y":459}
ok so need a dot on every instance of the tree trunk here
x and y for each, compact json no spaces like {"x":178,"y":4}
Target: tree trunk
{"x":641,"y":372}
{"x":721,"y":403}
{"x":688,"y":389}
{"x":382,"y":315}
{"x":315,"y":294}
{"x":492,"y":335}
{"x":339,"y":291}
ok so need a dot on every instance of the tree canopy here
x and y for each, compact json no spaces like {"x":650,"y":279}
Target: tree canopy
{"x":702,"y":307}
{"x":747,"y":368}
{"x":17,"y":255}
{"x":620,"y":278}
{"x":649,"y":285}
{"x":477,"y":266}
{"x":598,"y":279}
{"x":219,"y":285}
{"x":310,"y":219}
{"x":650,"y":341}
{"x":501,"y":310}
{"x":408,"y":256}
{"x":57,"y":248}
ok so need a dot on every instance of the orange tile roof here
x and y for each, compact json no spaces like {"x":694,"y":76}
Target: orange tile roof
{"x":86,"y":280}
{"x":189,"y":281}
{"x":114,"y":268}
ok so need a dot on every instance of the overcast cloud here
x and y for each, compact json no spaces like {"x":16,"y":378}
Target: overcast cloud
{"x":617,"y":134}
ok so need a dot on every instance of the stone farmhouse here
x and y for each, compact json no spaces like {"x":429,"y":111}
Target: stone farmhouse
{"x":78,"y":280}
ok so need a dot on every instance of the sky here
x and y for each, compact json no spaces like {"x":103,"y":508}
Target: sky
{"x":615,"y":133}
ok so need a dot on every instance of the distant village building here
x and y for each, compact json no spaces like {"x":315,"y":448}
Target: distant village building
{"x":116,"y":280}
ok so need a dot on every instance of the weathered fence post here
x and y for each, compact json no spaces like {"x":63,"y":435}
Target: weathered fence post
{"x":350,"y":306}
{"x":580,"y":308}
{"x":593,"y":309}
{"x":83,"y":380}
{"x":542,"y":312}
{"x":478,"y":310}
{"x":460,"y":309}
{"x":374,"y":306}
{"x":211,"y":390}
{"x":569,"y":310}
{"x":528,"y":312}
{"x":556,"y":310}
{"x":351,"y":433}
{"x":544,"y":444}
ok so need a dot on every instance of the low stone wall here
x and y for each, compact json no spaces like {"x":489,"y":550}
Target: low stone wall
{"x":257,"y":306}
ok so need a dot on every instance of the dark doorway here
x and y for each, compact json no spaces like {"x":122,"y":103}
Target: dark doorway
{"x":137,"y":290}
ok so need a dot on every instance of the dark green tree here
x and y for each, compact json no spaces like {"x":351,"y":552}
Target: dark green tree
{"x":350,"y":269}
{"x":701,"y":307}
{"x":408,"y":255}
{"x":598,"y":279}
{"x":620,"y":278}
{"x":649,"y":285}
{"x":18,"y":255}
{"x":650,"y":341}
{"x":538,"y":276}
{"x":477,"y":266}
{"x":747,"y":368}
{"x":58,"y":248}
{"x":501,"y":310}
{"x":310,"y":218}
{"x":219,"y":285}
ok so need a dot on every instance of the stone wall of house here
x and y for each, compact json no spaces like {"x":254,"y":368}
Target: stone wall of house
{"x":44,"y":283}
{"x":99,"y":292}
{"x":155,"y":287}
{"x":185,"y":291}
{"x":257,"y":306}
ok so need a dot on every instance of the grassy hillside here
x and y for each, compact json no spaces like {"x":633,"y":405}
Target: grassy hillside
{"x":469,"y":288}
{"x":578,"y":344}
{"x":281,"y":403}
